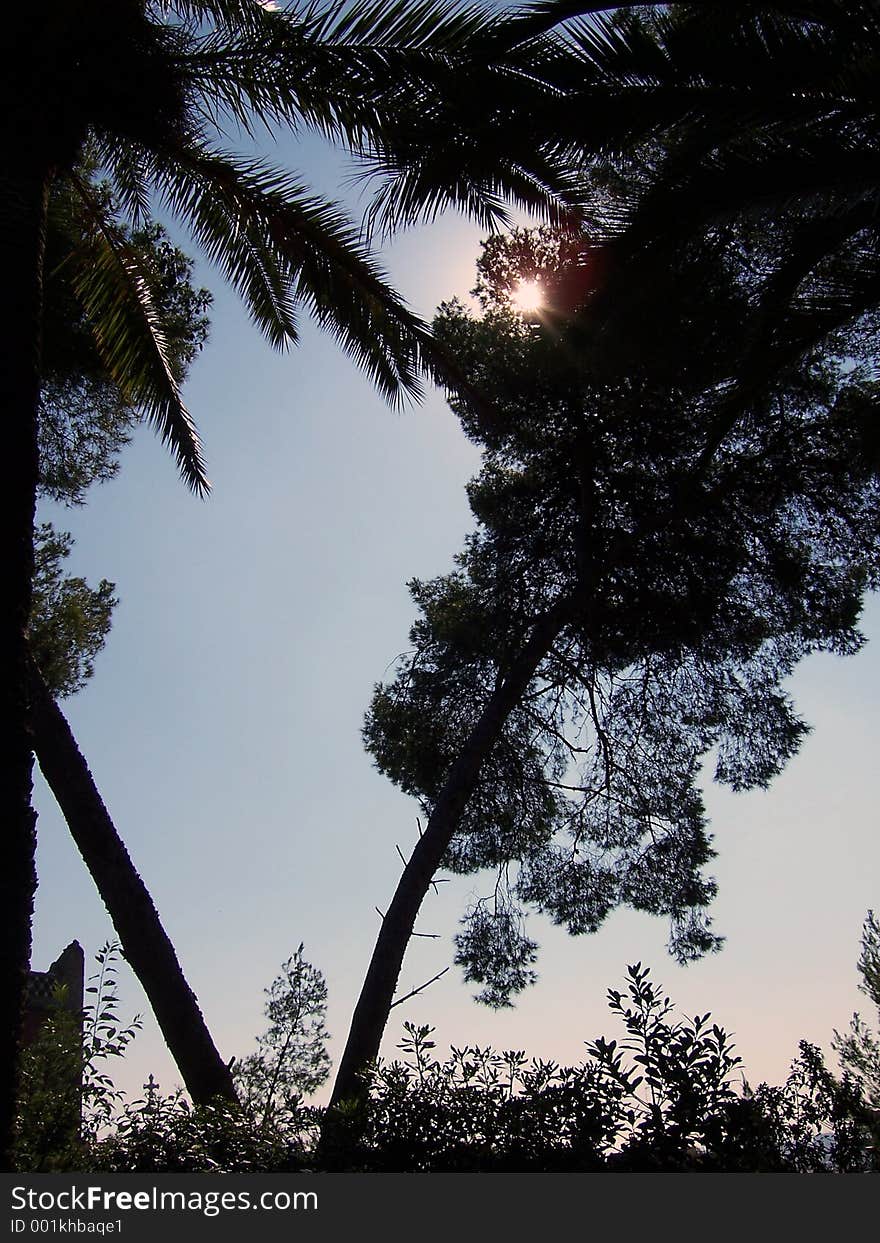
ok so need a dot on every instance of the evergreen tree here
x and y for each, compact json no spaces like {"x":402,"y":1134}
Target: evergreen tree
{"x":645,"y":575}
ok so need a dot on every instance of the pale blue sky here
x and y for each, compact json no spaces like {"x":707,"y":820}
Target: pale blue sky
{"x":223,"y":725}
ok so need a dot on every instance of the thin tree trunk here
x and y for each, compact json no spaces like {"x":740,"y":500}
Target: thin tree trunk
{"x":144,"y":941}
{"x":373,"y":1007}
{"x":23,"y":205}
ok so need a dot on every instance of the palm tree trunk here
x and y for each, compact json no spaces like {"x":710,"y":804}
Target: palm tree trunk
{"x":23,"y":204}
{"x":144,"y":941}
{"x":377,"y":993}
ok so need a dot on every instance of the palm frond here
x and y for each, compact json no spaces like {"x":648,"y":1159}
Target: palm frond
{"x":327,"y":269}
{"x":112,"y":284}
{"x":313,"y":253}
{"x":440,"y":155}
{"x":541,"y":16}
{"x":536,"y":18}
{"x":342,"y":68}
{"x":761,"y":179}
{"x":436,"y":26}
{"x":394,"y":81}
{"x":211,"y":194}
{"x":127,"y":171}
{"x":735,"y":57}
{"x":231,"y":14}
{"x":418,"y":186}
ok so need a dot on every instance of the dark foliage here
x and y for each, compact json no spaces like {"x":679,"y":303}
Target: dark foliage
{"x":667,"y":1097}
{"x":86,"y":415}
{"x":693,"y":571}
{"x":291,"y":1060}
{"x":698,"y":118}
{"x":69,"y":621}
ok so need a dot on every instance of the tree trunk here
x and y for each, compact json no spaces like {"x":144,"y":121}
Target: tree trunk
{"x":23,"y":203}
{"x":377,"y":993}
{"x":144,"y":941}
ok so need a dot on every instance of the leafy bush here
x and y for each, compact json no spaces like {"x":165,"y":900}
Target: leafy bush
{"x":167,"y":1134}
{"x":667,"y":1096}
{"x":664,"y":1098}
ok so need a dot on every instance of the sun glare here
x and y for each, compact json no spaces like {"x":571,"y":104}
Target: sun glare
{"x":528,"y":296}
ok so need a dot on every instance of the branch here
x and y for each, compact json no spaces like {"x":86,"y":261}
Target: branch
{"x":429,"y":936}
{"x":421,"y":987}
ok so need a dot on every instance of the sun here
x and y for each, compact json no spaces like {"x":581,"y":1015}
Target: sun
{"x":528,"y":296}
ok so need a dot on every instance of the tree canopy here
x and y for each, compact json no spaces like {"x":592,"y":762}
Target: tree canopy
{"x":705,"y":116}
{"x":645,"y":585}
{"x":70,"y":620}
{"x":678,"y":497}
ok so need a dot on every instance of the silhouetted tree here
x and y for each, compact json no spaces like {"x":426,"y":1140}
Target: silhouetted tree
{"x":638,"y":588}
{"x":291,"y":1060}
{"x":859,"y":1048}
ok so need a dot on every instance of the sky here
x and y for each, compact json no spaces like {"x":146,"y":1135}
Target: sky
{"x":223,"y":726}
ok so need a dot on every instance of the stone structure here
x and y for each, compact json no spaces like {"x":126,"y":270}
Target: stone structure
{"x":68,"y":971}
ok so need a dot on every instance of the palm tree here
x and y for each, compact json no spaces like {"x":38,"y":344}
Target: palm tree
{"x":146,"y":85}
